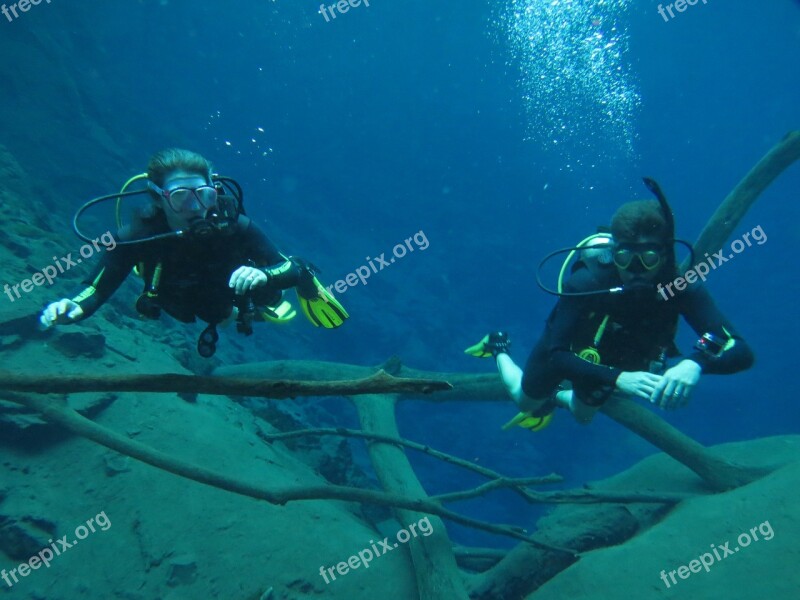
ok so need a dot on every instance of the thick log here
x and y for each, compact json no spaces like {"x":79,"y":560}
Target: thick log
{"x":373,"y":383}
{"x":434,"y":562}
{"x":724,"y":221}
{"x":525,"y":568}
{"x":475,"y":387}
{"x":718,"y":473}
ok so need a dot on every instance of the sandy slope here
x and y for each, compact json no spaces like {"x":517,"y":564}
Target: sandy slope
{"x":763,"y":569}
{"x":174,"y":539}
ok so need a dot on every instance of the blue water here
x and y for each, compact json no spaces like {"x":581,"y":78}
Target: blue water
{"x":406,"y":116}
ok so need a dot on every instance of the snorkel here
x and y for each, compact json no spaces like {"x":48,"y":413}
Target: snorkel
{"x":669,"y":217}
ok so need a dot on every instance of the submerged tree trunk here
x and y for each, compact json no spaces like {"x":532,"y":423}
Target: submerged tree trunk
{"x":434,"y":562}
{"x":723,"y":222}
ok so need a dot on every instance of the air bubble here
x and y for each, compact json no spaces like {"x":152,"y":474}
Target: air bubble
{"x":574,"y":75}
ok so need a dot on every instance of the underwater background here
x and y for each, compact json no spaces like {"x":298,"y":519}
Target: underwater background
{"x":501,"y":130}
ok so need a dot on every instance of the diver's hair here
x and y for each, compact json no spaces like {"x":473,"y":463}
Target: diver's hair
{"x":176,"y":159}
{"x":639,"y":218}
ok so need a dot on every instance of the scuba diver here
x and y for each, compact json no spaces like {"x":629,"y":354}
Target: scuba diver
{"x":200,"y":257}
{"x":611,"y":332}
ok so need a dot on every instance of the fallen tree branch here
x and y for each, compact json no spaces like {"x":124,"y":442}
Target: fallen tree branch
{"x":435,"y":567}
{"x":373,"y":383}
{"x":478,"y":559}
{"x":723,"y":222}
{"x":719,"y":473}
{"x":515,"y":484}
{"x":474,"y":387}
{"x":565,"y":496}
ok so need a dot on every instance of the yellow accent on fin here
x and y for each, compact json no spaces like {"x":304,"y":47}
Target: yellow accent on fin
{"x":283,"y":313}
{"x":324,"y":310}
{"x":479,"y":349}
{"x":528,"y":421}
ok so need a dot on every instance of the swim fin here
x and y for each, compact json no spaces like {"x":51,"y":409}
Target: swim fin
{"x":283,"y":313}
{"x":321,"y":308}
{"x":527,"y":421}
{"x":492,"y":344}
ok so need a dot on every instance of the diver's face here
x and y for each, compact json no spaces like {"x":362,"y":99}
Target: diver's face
{"x":640,"y":260}
{"x":181,"y":218}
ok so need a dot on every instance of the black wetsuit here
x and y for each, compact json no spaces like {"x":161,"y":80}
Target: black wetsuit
{"x":195,"y":271}
{"x":640,"y":330}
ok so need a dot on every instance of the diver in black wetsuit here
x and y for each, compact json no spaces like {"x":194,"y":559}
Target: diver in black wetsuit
{"x":611,"y":332}
{"x":200,"y":257}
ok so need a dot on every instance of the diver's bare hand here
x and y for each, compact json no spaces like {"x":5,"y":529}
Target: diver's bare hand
{"x":62,"y":312}
{"x":245,"y":279}
{"x":677,"y":385}
{"x":638,"y":383}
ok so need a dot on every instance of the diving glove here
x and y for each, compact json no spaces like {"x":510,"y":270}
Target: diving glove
{"x":492,"y":344}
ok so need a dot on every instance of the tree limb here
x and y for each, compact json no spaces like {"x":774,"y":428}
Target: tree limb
{"x":725,"y":219}
{"x":397,"y":441}
{"x":565,"y":496}
{"x":58,"y":412}
{"x":373,"y":383}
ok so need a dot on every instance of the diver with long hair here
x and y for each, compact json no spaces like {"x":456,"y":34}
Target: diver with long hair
{"x":199,"y":256}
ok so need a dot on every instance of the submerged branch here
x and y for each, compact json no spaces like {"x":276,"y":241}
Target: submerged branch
{"x":375,"y":383}
{"x":566,"y":496}
{"x":727,"y":216}
{"x":515,"y":484}
{"x":58,"y":412}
